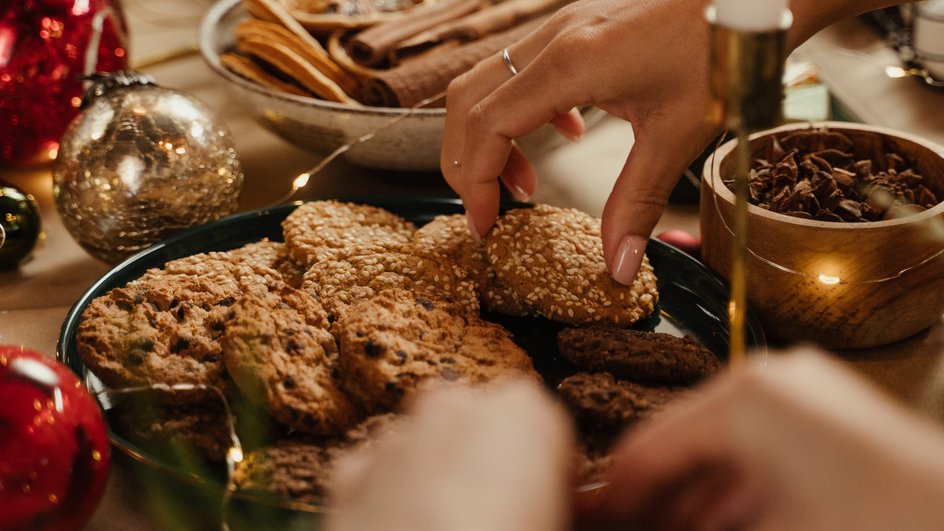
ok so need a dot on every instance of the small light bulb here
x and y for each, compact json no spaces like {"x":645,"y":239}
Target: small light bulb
{"x":895,"y":72}
{"x":235,"y":454}
{"x":829,"y":280}
{"x":301,"y":181}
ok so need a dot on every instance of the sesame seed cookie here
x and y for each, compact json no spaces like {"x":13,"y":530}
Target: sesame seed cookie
{"x":450,"y":237}
{"x":394,"y":342}
{"x":552,"y":259}
{"x":344,"y":280}
{"x":600,"y":402}
{"x":273,"y":255}
{"x":645,"y":357}
{"x":280,"y":354}
{"x":165,"y":327}
{"x":321,"y":229}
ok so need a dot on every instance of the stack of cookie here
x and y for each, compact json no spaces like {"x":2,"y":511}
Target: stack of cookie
{"x":333,"y":330}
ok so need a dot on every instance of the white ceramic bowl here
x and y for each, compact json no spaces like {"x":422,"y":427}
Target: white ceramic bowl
{"x":410,"y":144}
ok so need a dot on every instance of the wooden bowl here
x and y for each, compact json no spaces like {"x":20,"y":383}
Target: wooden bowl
{"x":841,"y":285}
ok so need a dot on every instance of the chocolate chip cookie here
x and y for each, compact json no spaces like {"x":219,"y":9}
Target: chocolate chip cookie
{"x":394,"y":342}
{"x":321,"y":229}
{"x":552,"y":259}
{"x":280,"y":354}
{"x":165,"y":327}
{"x":648,"y":357}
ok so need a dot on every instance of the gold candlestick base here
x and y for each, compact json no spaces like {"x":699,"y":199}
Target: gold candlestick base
{"x":746,"y":79}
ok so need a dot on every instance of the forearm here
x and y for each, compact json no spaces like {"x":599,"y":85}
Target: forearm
{"x":810,"y":16}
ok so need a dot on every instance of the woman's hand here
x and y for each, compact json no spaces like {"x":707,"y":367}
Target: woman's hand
{"x":796,"y":443}
{"x":642,"y":60}
{"x":495,"y":459}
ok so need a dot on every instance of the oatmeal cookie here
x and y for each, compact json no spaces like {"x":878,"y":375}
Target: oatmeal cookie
{"x":273,"y":255}
{"x":345,"y":280}
{"x":601,"y":402}
{"x":165,"y":327}
{"x":392,"y":343}
{"x":646,"y":357}
{"x":552,"y":259}
{"x":321,"y":229}
{"x":449,"y":236}
{"x":280,"y":354}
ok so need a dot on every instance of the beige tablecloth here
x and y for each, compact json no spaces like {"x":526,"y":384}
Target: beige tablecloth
{"x":35,"y":299}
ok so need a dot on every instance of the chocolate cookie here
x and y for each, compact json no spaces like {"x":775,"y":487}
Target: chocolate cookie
{"x":648,"y":357}
{"x":299,"y":468}
{"x":321,"y":229}
{"x":273,"y":255}
{"x":392,"y":343}
{"x":552,"y":259}
{"x":165,"y":327}
{"x":601,"y":402}
{"x":345,"y":280}
{"x":280,"y":354}
{"x":449,"y":236}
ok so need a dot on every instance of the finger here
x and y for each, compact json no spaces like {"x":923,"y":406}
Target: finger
{"x":470,"y":88}
{"x":570,"y":124}
{"x":654,"y":165}
{"x":501,"y":116}
{"x":519,"y":175}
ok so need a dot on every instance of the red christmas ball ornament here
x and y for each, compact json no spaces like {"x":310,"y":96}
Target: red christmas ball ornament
{"x":46,"y":46}
{"x":685,"y":241}
{"x":54,"y":451}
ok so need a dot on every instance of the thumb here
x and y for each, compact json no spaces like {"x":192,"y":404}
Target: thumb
{"x":654,"y":165}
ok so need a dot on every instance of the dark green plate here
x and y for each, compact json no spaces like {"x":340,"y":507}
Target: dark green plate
{"x":693,"y":300}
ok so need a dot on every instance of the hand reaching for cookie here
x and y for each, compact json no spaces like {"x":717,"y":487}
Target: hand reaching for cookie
{"x":798,"y":443}
{"x":643,"y":61}
{"x":495,"y":458}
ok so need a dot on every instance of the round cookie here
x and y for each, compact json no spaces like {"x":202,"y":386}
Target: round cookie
{"x":394,"y":342}
{"x":645,"y":357}
{"x":165,"y":327}
{"x":278,"y":351}
{"x":600,"y":402}
{"x":273,"y":255}
{"x":552,"y":259}
{"x":321,"y":229}
{"x":345,"y":280}
{"x":449,"y":236}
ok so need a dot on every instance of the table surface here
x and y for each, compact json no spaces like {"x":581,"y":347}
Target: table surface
{"x":35,"y":298}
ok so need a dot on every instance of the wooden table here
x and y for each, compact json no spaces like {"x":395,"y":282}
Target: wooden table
{"x":35,"y":298}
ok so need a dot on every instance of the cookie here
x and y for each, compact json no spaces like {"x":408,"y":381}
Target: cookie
{"x":393,"y":343}
{"x":299,"y":468}
{"x":449,"y":236}
{"x":273,"y":255}
{"x":321,"y":229}
{"x":647,"y":357}
{"x":345,"y":280}
{"x":599,"y":401}
{"x":165,"y":327}
{"x":280,"y":354}
{"x":552,"y":259}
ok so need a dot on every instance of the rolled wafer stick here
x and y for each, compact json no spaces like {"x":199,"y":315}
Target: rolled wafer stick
{"x":373,"y":45}
{"x":293,"y":65}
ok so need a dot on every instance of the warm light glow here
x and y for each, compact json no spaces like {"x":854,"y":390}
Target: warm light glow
{"x":895,"y":72}
{"x":829,"y":280}
{"x":301,"y":181}
{"x":235,"y":454}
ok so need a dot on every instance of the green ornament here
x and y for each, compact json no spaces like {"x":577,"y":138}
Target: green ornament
{"x":19,"y":225}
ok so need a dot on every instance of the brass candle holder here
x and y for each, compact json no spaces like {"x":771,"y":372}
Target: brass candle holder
{"x":746,"y":69}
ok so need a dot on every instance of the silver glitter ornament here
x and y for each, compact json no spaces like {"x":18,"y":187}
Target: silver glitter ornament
{"x":139,"y":163}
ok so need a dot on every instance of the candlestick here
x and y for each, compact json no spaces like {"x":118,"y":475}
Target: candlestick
{"x":747,"y":55}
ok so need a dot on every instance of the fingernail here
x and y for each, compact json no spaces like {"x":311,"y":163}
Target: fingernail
{"x":572,"y":136}
{"x":628,"y":259}
{"x":472,"y":230}
{"x":519,"y":193}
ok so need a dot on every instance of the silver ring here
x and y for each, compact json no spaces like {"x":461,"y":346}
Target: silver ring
{"x":507,"y":59}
